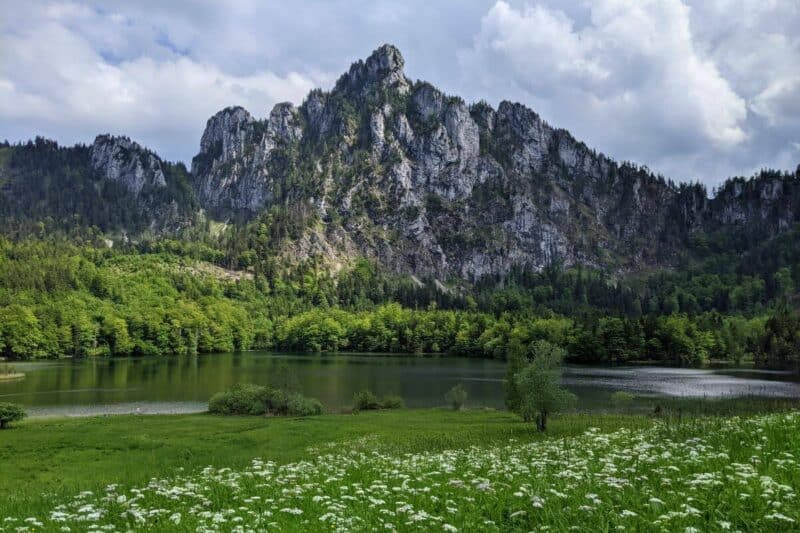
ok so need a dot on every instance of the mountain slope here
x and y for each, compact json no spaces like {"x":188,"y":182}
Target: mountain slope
{"x":428,"y":185}
{"x":115,"y":184}
{"x":393,"y":169}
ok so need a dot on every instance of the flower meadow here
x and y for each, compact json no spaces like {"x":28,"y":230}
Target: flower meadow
{"x":704,"y":474}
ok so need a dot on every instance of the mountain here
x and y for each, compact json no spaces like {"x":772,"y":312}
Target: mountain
{"x":115,"y":185}
{"x":397,"y":171}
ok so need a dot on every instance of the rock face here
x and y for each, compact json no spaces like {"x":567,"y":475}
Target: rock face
{"x":397,"y":171}
{"x":400,"y":172}
{"x":121,"y":160}
{"x":154,"y":184}
{"x":233,"y":167}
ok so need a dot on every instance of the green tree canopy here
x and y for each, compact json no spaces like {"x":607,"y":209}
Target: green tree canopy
{"x":537,"y":384}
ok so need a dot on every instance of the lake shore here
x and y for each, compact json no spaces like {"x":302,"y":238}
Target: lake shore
{"x":148,"y":385}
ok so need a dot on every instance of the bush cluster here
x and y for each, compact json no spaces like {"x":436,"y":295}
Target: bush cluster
{"x":250,"y":399}
{"x":622,"y":399}
{"x":366,"y":400}
{"x":10,"y":412}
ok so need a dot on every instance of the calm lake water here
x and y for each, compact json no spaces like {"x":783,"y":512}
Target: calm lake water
{"x":184,"y":384}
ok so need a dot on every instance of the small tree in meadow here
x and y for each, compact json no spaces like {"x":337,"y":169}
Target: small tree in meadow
{"x":10,"y":412}
{"x":537,"y":390}
{"x":456,"y":397}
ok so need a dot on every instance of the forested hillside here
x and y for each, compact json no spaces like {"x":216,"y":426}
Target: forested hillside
{"x":59,"y":299}
{"x":384,"y":215}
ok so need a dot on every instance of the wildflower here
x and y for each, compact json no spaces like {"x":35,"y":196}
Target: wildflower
{"x":780,"y":517}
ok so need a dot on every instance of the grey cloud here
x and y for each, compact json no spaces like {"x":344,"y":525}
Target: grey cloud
{"x":697,"y":90}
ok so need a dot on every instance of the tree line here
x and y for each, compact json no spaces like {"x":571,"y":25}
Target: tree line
{"x":58,"y":299}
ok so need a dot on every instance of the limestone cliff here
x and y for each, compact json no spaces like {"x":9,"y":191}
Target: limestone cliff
{"x":429,"y":185}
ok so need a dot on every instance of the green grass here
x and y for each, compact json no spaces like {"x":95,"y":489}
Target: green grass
{"x":63,"y":456}
{"x":411,"y":470}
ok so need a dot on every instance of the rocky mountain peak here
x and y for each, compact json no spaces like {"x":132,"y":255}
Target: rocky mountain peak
{"x":383,"y":67}
{"x":385,"y":60}
{"x":223,"y":133}
{"x":122,"y":160}
{"x":284,"y":123}
{"x":419,"y":181}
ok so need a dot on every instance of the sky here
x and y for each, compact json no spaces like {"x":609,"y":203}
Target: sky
{"x":695,"y":90}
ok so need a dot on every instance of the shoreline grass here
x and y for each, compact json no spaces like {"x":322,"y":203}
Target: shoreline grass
{"x":43,"y":460}
{"x":604,"y":469}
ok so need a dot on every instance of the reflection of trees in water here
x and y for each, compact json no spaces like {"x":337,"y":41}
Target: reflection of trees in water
{"x":335,"y":378}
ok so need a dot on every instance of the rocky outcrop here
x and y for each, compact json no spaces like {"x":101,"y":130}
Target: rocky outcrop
{"x":123,"y":161}
{"x":771,"y":198}
{"x":155,"y":185}
{"x":396,"y":170}
{"x":232,"y":170}
{"x":383,"y":67}
{"x":428,"y":185}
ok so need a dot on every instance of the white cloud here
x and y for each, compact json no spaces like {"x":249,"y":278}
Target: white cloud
{"x":629,"y":79}
{"x":59,"y":83}
{"x":694,"y":89}
{"x":779,"y":102}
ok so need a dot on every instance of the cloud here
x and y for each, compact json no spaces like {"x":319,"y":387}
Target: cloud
{"x":629,"y":79}
{"x":72,"y":85}
{"x":695,"y":89}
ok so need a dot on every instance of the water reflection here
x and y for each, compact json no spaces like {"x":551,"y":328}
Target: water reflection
{"x":184,"y":384}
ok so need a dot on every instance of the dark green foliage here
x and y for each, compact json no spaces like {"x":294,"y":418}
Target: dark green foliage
{"x":622,"y":399}
{"x":172,"y":297}
{"x":366,"y":400}
{"x":392,"y":401}
{"x":48,"y":188}
{"x":60,"y":300}
{"x":241,"y":399}
{"x":249,"y":399}
{"x":781,"y":344}
{"x":299,"y":405}
{"x":10,"y":412}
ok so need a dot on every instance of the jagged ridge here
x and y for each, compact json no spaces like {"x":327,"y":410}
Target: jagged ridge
{"x":395,"y":170}
{"x":428,"y":185}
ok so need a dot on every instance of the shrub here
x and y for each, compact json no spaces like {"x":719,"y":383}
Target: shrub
{"x":275,"y":401}
{"x":392,"y":401}
{"x":456,"y":397}
{"x":365,"y":401}
{"x":10,"y":412}
{"x":621,"y":399}
{"x":299,"y":405}
{"x":241,"y":399}
{"x":249,"y":399}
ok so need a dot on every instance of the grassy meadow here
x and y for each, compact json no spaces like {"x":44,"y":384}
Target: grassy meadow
{"x":405,"y":470}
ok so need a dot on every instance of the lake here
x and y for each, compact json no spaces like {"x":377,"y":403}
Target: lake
{"x":184,"y":384}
